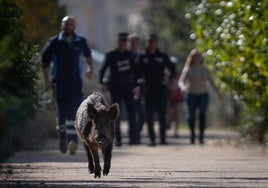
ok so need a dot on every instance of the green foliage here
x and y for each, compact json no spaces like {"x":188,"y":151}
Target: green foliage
{"x":254,"y":124}
{"x":42,"y":18}
{"x":233,"y":34}
{"x":18,"y":78}
{"x":167,"y":19}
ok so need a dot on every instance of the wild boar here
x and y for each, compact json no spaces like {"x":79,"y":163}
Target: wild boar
{"x":95,"y":124}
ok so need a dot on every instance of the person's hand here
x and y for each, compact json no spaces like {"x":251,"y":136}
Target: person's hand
{"x":103,"y":87}
{"x":90,"y":74}
{"x":136,"y":93}
{"x":165,"y":81}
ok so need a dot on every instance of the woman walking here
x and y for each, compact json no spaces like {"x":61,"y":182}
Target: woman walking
{"x":193,"y":81}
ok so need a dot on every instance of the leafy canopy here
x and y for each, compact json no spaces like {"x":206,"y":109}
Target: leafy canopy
{"x":233,"y":34}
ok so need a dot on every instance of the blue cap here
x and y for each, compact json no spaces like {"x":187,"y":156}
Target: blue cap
{"x":122,"y":36}
{"x":152,"y":37}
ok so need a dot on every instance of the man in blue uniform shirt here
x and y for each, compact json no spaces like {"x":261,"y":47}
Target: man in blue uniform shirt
{"x":61,"y":56}
{"x":120,"y":83}
{"x":153,"y":65}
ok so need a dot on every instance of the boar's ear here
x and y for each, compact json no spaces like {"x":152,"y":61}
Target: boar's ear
{"x":114,"y":111}
{"x":91,"y":110}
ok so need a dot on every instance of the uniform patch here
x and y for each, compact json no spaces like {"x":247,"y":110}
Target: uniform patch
{"x":159,"y":59}
{"x":123,"y":65}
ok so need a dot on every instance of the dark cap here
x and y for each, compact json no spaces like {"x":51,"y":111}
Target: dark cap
{"x":122,"y":36}
{"x":152,"y":37}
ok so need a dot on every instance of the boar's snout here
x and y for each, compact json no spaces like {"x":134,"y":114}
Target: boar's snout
{"x":102,"y":140}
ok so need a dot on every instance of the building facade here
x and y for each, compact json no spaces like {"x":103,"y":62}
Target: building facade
{"x":100,"y":20}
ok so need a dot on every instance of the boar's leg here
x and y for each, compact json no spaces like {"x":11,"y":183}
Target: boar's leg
{"x":94,"y":151}
{"x":89,"y":158}
{"x":85,"y":132}
{"x":107,"y":155}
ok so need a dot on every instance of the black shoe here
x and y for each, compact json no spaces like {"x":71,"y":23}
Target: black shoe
{"x":201,"y":141}
{"x":163,"y":143}
{"x":152,"y":144}
{"x":192,"y":141}
{"x":134,"y":143}
{"x":63,"y":145}
{"x":118,"y":144}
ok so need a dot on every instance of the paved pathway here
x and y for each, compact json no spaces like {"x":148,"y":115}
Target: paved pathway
{"x":224,"y":161}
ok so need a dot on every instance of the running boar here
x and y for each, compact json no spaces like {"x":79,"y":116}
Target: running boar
{"x":95,"y":126}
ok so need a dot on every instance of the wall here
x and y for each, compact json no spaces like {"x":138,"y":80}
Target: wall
{"x":100,"y":20}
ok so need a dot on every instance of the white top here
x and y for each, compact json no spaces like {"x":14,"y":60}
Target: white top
{"x":194,"y":80}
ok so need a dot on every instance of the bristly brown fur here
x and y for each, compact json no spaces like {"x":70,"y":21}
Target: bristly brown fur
{"x":95,"y":127}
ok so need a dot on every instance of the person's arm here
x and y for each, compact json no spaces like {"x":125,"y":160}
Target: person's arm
{"x":87,"y":55}
{"x":46,"y":71}
{"x":138,"y":74}
{"x":171,"y":67}
{"x":169,"y":71}
{"x":214,"y":87}
{"x":139,"y":70}
{"x":103,"y":85}
{"x":182,"y":80}
{"x":46,"y":60}
{"x":211,"y":81}
{"x":90,"y":70}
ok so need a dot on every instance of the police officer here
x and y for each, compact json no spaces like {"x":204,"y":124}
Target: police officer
{"x":120,"y":61}
{"x":61,"y":56}
{"x":152,"y":65}
{"x":134,"y":40}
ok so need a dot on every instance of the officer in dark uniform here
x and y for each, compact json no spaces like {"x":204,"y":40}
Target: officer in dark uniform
{"x":153,"y":65}
{"x":134,"y":40}
{"x":121,"y":83}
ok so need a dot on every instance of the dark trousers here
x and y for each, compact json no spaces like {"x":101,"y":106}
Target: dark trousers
{"x":156,"y":101}
{"x":119,"y":93}
{"x":139,"y":108}
{"x":67,"y":102}
{"x":197,"y":102}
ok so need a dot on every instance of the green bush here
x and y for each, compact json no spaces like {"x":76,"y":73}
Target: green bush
{"x":18,"y":77}
{"x":233,"y":35}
